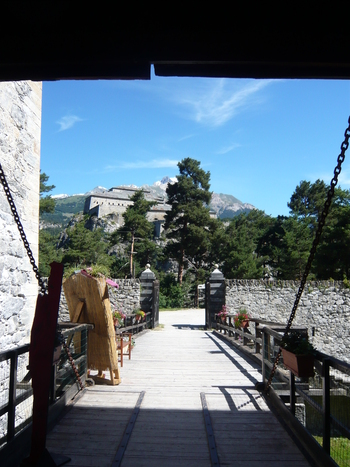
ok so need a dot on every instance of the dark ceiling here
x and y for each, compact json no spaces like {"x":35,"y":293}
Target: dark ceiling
{"x":101,"y":40}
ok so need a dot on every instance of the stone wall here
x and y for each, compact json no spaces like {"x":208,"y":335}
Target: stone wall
{"x":126,"y":297}
{"x":324,"y":309}
{"x":20,"y":128}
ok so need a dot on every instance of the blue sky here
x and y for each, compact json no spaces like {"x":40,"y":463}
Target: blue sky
{"x":258,"y":138}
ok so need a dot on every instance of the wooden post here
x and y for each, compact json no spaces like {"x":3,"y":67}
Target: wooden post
{"x":12,"y":397}
{"x":292,"y":392}
{"x":257,"y":336}
{"x":215,"y":297}
{"x":155,"y":305}
{"x":326,"y":402}
{"x":147,"y":279}
{"x":41,"y":357}
{"x":263,"y":366}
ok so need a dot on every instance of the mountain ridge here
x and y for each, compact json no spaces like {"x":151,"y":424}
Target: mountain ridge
{"x":225,"y":205}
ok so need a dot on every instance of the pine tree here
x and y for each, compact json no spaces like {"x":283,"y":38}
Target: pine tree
{"x":186,"y":224}
{"x":138,"y":229}
{"x":46,"y":204}
{"x":85,"y":247}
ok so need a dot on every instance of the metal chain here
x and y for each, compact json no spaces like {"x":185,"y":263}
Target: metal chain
{"x":344,"y":146}
{"x":42,"y":285}
{"x":41,"y":282}
{"x":71,"y":361}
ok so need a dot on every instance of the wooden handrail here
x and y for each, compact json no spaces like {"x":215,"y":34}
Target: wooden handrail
{"x":13,"y":399}
{"x":267,"y":346}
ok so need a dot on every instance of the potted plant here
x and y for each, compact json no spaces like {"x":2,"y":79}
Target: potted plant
{"x":139,"y":315}
{"x":118,"y":317}
{"x":223,"y":313}
{"x":298,"y":354}
{"x":241,"y":319}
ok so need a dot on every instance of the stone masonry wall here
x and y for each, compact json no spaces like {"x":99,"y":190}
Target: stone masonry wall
{"x":126,"y":297}
{"x":20,"y":128}
{"x":324,"y":308}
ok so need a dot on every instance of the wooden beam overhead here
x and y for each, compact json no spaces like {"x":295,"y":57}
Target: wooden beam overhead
{"x":74,"y":40}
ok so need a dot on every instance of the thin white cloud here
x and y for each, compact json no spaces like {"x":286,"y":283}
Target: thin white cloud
{"x":153,"y":164}
{"x":343,"y":179}
{"x":227,"y":149}
{"x":221,"y":100}
{"x":184,"y":138}
{"x":68,"y":121}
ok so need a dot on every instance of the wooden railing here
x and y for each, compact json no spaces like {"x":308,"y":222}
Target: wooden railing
{"x":16,"y":397}
{"x":323,"y":399}
{"x":134,"y":326}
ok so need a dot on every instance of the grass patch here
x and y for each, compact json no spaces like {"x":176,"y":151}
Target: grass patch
{"x":340,"y":450}
{"x":170,"y":309}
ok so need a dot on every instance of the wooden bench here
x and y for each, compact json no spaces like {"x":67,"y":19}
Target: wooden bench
{"x":123,"y":341}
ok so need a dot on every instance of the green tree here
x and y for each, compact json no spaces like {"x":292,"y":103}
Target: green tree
{"x":187,"y":221}
{"x":46,"y":204}
{"x":138,"y":229}
{"x":270,"y":245}
{"x":241,"y":249}
{"x":47,"y":242}
{"x":308,"y":200}
{"x":239,"y":254}
{"x":332,"y":257}
{"x":48,"y":252}
{"x":85,"y":247}
{"x":294,"y":248}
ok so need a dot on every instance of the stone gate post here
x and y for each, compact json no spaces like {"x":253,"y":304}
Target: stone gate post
{"x":214,"y":296}
{"x":149,"y":297}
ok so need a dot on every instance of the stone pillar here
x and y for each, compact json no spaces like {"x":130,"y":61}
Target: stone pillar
{"x":149,"y":297}
{"x":214,"y":296}
{"x":20,"y":126}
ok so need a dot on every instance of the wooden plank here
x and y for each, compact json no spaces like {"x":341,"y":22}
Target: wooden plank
{"x":77,"y":313}
{"x":173,"y":366}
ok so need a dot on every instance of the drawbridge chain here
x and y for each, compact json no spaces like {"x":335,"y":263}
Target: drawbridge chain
{"x":344,"y":146}
{"x":42,"y":285}
{"x":41,"y":282}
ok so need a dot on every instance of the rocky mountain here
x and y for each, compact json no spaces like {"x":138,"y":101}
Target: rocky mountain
{"x":226,"y":206}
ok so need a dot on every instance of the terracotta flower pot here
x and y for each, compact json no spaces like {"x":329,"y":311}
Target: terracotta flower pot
{"x":300,"y":365}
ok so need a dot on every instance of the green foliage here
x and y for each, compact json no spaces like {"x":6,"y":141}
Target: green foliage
{"x":332,"y":258}
{"x":308,"y":200}
{"x":138,"y":231}
{"x":46,"y":204}
{"x":239,"y":252}
{"x":47,"y":252}
{"x":172,"y":295}
{"x":251,"y":245}
{"x":86,"y":247}
{"x":297,"y":343}
{"x":186,"y":224}
{"x":94,"y":270}
{"x":295,"y":248}
{"x":240,"y":318}
{"x":65,"y":209}
{"x":135,"y":220}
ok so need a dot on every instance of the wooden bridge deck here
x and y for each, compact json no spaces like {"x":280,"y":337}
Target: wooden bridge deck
{"x":186,"y":399}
